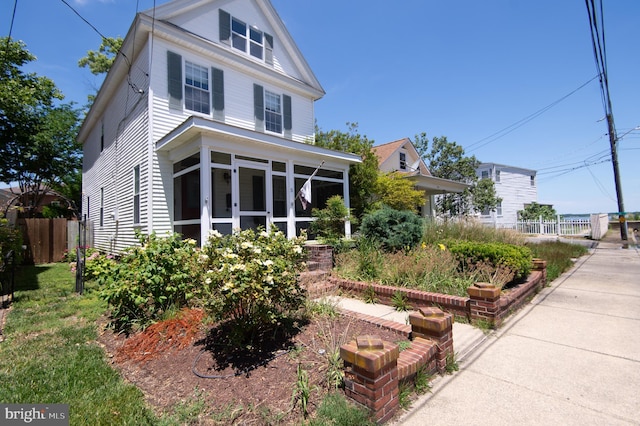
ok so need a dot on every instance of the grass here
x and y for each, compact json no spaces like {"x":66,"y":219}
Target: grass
{"x":559,"y":256}
{"x":50,"y":353}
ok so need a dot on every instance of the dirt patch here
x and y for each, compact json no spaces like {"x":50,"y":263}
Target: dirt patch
{"x":248,"y":386}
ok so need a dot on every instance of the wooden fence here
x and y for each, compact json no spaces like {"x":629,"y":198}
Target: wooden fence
{"x":44,"y":240}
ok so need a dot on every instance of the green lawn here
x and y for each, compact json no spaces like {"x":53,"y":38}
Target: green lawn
{"x":50,"y":353}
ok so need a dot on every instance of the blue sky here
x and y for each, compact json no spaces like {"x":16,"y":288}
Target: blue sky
{"x":511,"y":81}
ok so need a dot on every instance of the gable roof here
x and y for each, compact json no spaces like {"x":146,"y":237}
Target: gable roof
{"x":160,"y":21}
{"x":385,"y":151}
{"x":421,"y":177}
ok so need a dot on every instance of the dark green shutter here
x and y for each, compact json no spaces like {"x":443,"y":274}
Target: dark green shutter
{"x":225,"y":27}
{"x":268,"y":48}
{"x":258,"y":107}
{"x":286,"y":116}
{"x":174,"y":82}
{"x":217,"y":92}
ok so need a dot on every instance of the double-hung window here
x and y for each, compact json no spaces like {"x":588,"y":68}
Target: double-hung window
{"x":196,"y":88}
{"x":272,"y":112}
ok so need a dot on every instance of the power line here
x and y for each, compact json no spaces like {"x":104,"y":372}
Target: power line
{"x":501,"y":133}
{"x":600,"y":55}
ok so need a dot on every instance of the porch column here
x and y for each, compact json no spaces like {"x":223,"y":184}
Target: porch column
{"x":205,"y":194}
{"x":347,"y":201}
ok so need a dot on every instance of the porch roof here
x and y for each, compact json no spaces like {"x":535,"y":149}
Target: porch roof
{"x":432,"y":185}
{"x":194,"y":126}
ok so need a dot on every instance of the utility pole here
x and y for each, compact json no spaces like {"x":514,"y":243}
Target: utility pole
{"x":613,"y":141}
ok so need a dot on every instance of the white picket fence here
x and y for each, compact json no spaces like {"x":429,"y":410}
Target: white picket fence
{"x":560,"y":226}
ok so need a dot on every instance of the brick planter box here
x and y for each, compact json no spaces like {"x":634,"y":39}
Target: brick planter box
{"x":484,"y":302}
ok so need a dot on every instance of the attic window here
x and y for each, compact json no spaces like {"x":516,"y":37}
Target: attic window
{"x":243,"y":36}
{"x":403,"y":161}
{"x":250,"y":40}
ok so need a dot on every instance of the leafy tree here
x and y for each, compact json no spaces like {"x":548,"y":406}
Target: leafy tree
{"x":363,"y":176}
{"x":329,"y":223}
{"x":484,"y":196}
{"x":396,"y":191}
{"x":447,"y":160}
{"x":534,"y":211}
{"x":37,"y":134}
{"x":100,"y":61}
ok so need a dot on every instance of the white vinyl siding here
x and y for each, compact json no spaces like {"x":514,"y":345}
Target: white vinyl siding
{"x":514,"y":188}
{"x":125,"y":145}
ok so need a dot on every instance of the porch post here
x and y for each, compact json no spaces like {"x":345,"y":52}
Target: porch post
{"x":205,"y":194}
{"x":347,"y":201}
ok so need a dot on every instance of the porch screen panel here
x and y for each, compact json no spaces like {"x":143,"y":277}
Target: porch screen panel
{"x":186,"y":199}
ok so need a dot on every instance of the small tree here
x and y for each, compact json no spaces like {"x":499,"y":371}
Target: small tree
{"x":484,"y":196}
{"x":396,"y":191}
{"x":362,"y":176}
{"x":330,"y":221}
{"x":535,"y":211}
{"x":447,"y":160}
{"x":393,"y":229}
{"x":38,"y":146}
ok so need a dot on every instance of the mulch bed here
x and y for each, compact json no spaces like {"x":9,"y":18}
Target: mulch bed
{"x":179,"y":361}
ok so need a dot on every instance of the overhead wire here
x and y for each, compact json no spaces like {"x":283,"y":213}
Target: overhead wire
{"x":511,"y":128}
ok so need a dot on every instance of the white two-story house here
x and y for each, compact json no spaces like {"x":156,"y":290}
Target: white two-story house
{"x":515,"y":185}
{"x":205,"y":122}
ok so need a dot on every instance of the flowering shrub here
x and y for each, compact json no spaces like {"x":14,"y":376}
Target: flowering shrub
{"x":251,"y":277}
{"x":149,"y":280}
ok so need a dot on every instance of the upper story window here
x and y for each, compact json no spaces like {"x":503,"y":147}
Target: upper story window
{"x":403,"y":161}
{"x":245,"y":38}
{"x":497,"y":175}
{"x":533,"y":181}
{"x":272,"y":112}
{"x":485,"y":174}
{"x":196,"y":88}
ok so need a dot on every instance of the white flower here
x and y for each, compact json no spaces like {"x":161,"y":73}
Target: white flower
{"x":264,"y":234}
{"x":268,"y":279}
{"x":214,"y":234}
{"x":246,"y":245}
{"x":268,"y":262}
{"x":297,"y":249}
{"x":207,"y":281}
{"x":203,"y":257}
{"x":257,"y":250}
{"x":191,"y":241}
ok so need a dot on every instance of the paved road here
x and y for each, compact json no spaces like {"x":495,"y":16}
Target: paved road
{"x":571,"y":357}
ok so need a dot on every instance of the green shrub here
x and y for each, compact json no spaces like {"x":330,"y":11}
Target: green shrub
{"x":150,"y":280}
{"x":517,"y":259}
{"x":10,"y":239}
{"x":393,"y":229}
{"x":251,"y":278}
{"x":330,"y":221}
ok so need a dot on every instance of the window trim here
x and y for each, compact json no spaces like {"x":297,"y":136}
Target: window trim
{"x":270,"y":113}
{"x":191,"y":82}
{"x":403,"y":160}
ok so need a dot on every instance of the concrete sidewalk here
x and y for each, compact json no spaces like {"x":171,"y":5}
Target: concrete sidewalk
{"x":570,"y":357}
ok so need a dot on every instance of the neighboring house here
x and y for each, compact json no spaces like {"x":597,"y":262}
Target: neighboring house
{"x":205,"y":122}
{"x":516,"y":186}
{"x":401,"y":156}
{"x":14,"y":203}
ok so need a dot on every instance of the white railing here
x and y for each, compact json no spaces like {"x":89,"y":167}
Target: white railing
{"x":552,"y":227}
